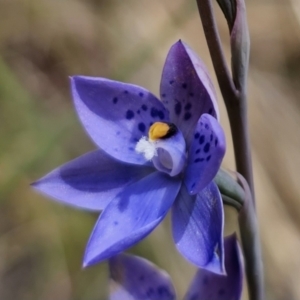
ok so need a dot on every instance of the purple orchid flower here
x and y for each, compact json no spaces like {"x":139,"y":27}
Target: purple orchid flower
{"x":135,"y":278}
{"x":153,"y":156}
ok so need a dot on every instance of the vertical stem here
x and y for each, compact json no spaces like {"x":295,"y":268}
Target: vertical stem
{"x":236,"y":104}
{"x":251,"y":245}
{"x":235,"y":100}
{"x":238,"y":120}
{"x":215,"y":48}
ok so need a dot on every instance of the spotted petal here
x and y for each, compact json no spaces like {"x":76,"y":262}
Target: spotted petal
{"x":116,"y":115}
{"x":205,"y":154}
{"x":135,"y":278}
{"x":207,"y":285}
{"x":132,"y":215}
{"x":90,"y":181}
{"x":186,"y":89}
{"x":197,"y":222}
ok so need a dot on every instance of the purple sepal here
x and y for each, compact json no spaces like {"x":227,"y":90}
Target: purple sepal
{"x":135,"y":278}
{"x":197,"y":222}
{"x":116,"y":115}
{"x":207,"y":285}
{"x":90,"y":181}
{"x":186,"y":89}
{"x":131,"y":216}
{"x":205,"y":154}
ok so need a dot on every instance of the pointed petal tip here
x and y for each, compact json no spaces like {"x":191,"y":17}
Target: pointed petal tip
{"x":38,"y":185}
{"x":177,"y":45}
{"x":88,"y":262}
{"x":216,"y":266}
{"x":232,"y":237}
{"x":34,"y":184}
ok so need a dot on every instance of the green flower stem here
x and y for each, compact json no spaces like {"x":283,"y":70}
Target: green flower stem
{"x":231,"y":202}
{"x":235,"y":100}
{"x":251,"y":244}
{"x":229,"y":187}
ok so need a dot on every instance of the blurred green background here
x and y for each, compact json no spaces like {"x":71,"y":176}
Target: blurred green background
{"x":42,"y":42}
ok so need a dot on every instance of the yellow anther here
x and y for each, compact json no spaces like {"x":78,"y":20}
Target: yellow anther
{"x":158,"y":130}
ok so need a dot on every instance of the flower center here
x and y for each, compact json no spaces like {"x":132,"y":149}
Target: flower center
{"x":165,"y":146}
{"x":160,"y":130}
{"x":157,"y":131}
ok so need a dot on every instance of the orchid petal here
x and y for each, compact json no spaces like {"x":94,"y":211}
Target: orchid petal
{"x":90,"y":181}
{"x":197,"y":222}
{"x":135,"y":278}
{"x":132,"y":215}
{"x":205,"y":154}
{"x":207,"y":285}
{"x":186,"y":89}
{"x":171,"y":154}
{"x":116,"y":115}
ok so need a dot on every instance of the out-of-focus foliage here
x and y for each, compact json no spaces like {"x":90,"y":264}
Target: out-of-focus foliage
{"x":42,"y":42}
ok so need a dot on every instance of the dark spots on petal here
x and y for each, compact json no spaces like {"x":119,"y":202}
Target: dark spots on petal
{"x":154,"y":112}
{"x":130,"y":148}
{"x":197,"y":134}
{"x":123,"y":204}
{"x":141,"y":94}
{"x":187,"y":116}
{"x":126,"y":92}
{"x":184,"y":85}
{"x":163,"y":95}
{"x":208,"y":158}
{"x":136,"y":139}
{"x":129,"y":114}
{"x":198,"y":151}
{"x":188,"y":106}
{"x":199,"y":160}
{"x":206,"y":126}
{"x":116,"y":223}
{"x":178,"y":108}
{"x":206,"y":147}
{"x":202,"y":139}
{"x":210,"y":111}
{"x":221,"y":292}
{"x":211,"y":137}
{"x":164,"y":291}
{"x":216,"y":142}
{"x":118,"y":133}
{"x":171,"y":81}
{"x":142,"y":127}
{"x":161,"y":114}
{"x":192,"y":94}
{"x":144,"y":107}
{"x":193,"y":185}
{"x":115,"y":100}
